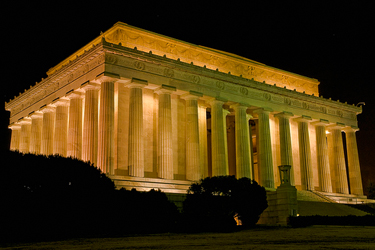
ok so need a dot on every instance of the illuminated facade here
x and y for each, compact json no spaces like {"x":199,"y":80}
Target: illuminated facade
{"x":155,"y":112}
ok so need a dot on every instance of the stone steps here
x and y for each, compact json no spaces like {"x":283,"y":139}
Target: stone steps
{"x":309,"y":208}
{"x":303,"y":195}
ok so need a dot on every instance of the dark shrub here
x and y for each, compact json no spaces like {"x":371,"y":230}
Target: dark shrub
{"x":212,"y":203}
{"x":45,"y":198}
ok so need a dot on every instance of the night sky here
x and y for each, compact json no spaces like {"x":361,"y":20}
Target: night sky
{"x":331,"y":41}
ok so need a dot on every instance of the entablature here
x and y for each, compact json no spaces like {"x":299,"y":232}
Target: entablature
{"x":157,"y":70}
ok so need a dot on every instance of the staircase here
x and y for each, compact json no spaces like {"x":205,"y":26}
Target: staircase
{"x":315,"y":203}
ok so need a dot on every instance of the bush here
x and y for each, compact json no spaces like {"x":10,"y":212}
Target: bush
{"x":46,"y":198}
{"x":212,"y":204}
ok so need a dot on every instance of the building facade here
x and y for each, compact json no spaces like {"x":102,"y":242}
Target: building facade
{"x":155,"y":112}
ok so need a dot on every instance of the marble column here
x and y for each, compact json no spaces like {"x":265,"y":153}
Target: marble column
{"x":265,"y":163}
{"x":136,"y":141}
{"x":322,"y":156}
{"x":75,"y":125}
{"x":106,"y":128}
{"x":286,"y":153}
{"x":90,"y":123}
{"x":60,"y":144}
{"x":355,"y":178}
{"x":337,"y":159}
{"x":48,"y":130}
{"x":165,"y":157}
{"x":193,"y":163}
{"x":203,"y":155}
{"x":307,"y":180}
{"x":218,"y":139}
{"x":243,"y":155}
{"x":15,"y":139}
{"x":25,"y":133}
{"x":36,"y":132}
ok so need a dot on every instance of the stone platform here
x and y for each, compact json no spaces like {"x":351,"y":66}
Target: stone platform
{"x":329,"y":204}
{"x":146,"y":184}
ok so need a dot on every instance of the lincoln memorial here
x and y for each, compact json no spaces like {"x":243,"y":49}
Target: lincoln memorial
{"x":155,"y":112}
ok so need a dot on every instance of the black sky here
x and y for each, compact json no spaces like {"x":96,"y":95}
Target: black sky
{"x":332,"y":41}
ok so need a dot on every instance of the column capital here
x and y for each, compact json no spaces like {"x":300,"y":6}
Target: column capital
{"x":15,"y":126}
{"x":239,"y":106}
{"x":350,"y":129}
{"x":107,"y":77}
{"x":248,"y":116}
{"x":262,"y":111}
{"x":137,"y":83}
{"x":217,"y":100}
{"x":63,"y":101}
{"x":202,"y":103}
{"x":284,"y":114}
{"x":303,"y":118}
{"x":75,"y":94}
{"x":25,"y":120}
{"x":321,"y":122}
{"x":90,"y":85}
{"x":48,"y":108}
{"x":337,"y":125}
{"x":165,"y":89}
{"x":36,"y":114}
{"x":192,"y":95}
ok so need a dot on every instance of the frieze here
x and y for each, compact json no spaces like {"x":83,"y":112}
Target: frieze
{"x":255,"y":95}
{"x":109,"y":58}
{"x":244,"y":91}
{"x":277,"y":98}
{"x":220,"y":85}
{"x":305,"y":105}
{"x":296,"y":103}
{"x":139,"y":65}
{"x":323,"y":110}
{"x":331,"y":111}
{"x":314,"y":107}
{"x":168,"y":73}
{"x":267,"y":96}
{"x":231,"y":87}
{"x":287,"y":101}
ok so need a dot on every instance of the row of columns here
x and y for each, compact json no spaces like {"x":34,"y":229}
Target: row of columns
{"x":61,"y":128}
{"x":331,"y":163}
{"x":58,"y":128}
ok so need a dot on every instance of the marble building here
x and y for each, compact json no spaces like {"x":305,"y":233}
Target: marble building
{"x":156,"y":112}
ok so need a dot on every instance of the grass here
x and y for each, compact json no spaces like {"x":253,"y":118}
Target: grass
{"x":316,"y":237}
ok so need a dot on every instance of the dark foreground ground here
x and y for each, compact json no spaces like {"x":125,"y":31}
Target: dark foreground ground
{"x":316,"y":237}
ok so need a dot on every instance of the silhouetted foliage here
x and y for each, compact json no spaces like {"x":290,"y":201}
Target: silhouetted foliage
{"x":53,"y":197}
{"x":212,"y":203}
